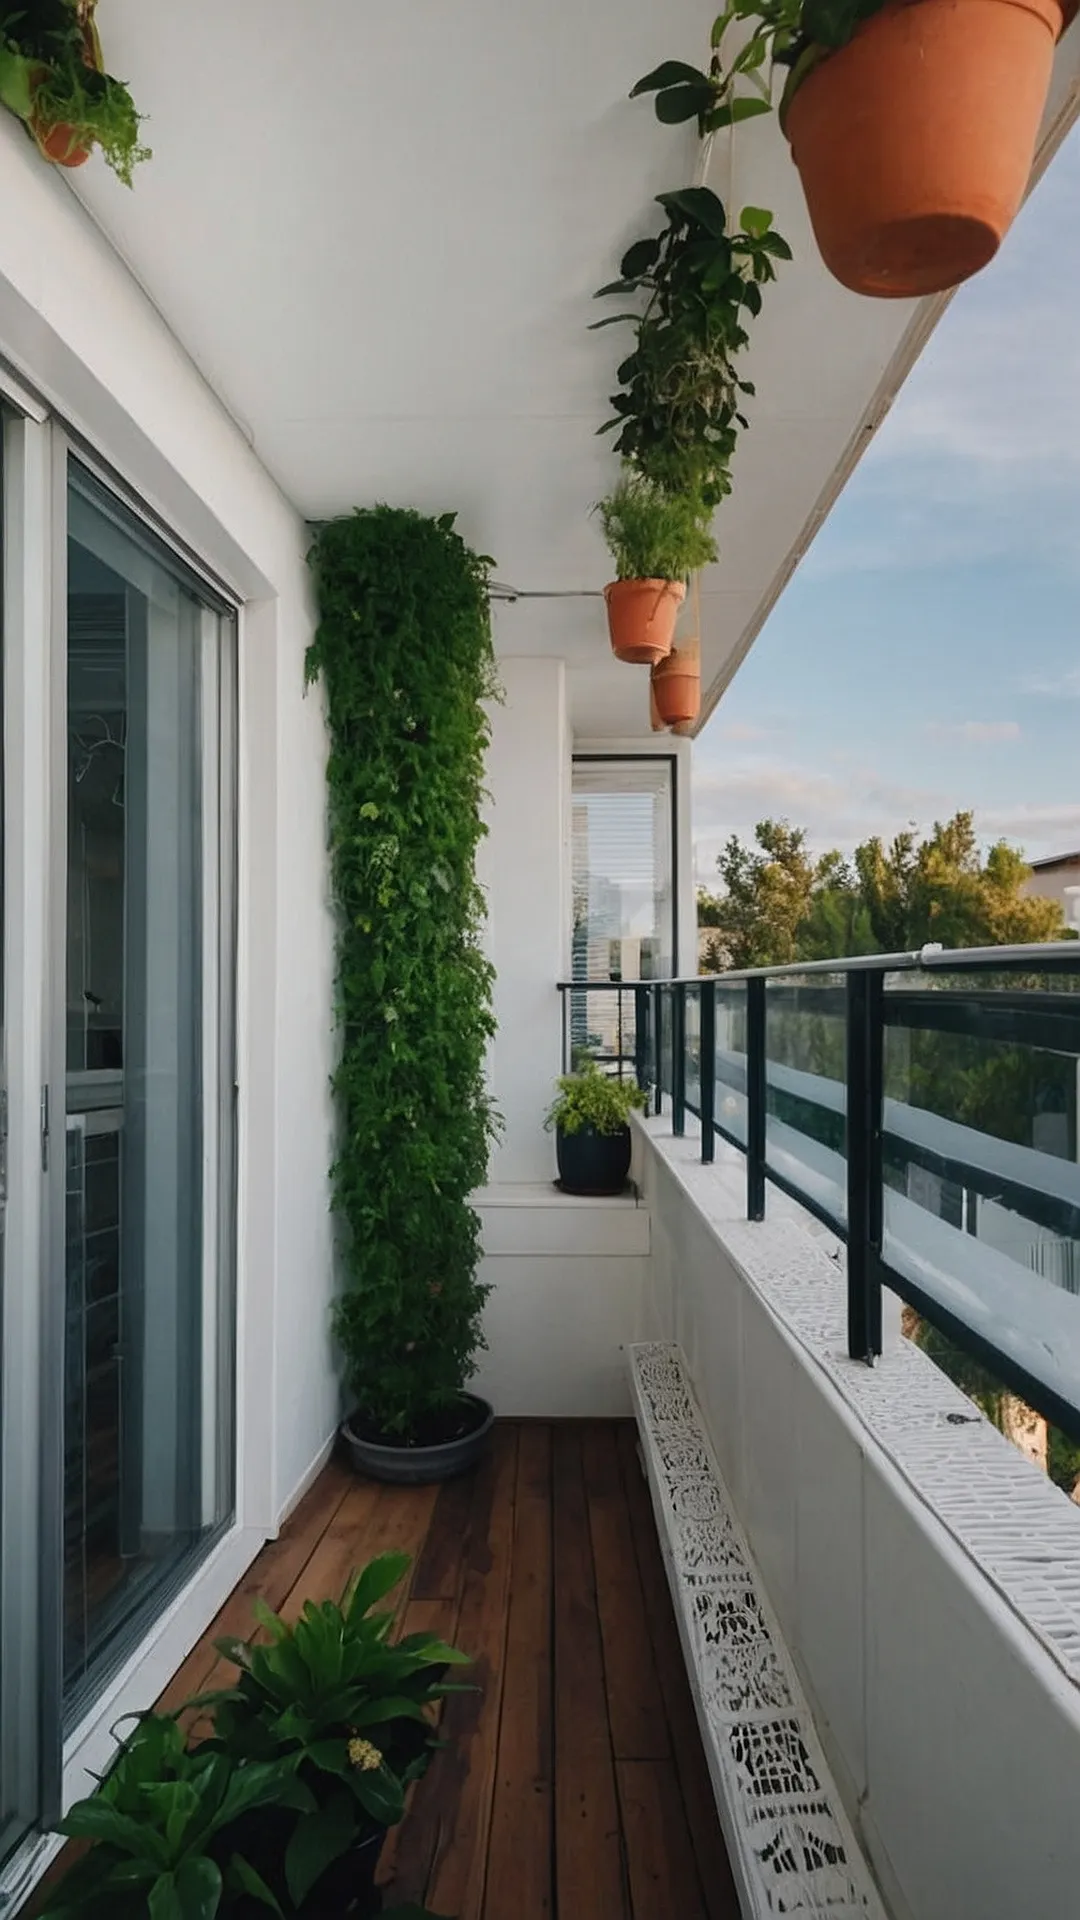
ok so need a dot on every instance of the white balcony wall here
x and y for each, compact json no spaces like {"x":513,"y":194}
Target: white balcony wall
{"x":77,"y":328}
{"x":953,"y":1732}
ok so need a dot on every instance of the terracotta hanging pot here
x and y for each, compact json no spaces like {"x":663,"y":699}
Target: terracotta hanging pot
{"x":641,"y":618}
{"x":676,"y":685}
{"x":915,"y":141}
{"x":655,"y":721}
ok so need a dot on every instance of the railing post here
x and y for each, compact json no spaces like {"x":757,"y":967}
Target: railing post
{"x":755,"y":1099}
{"x":678,"y":1061}
{"x":657,"y":1040}
{"x":563,"y":1007}
{"x":707,"y":1074}
{"x":865,"y":1198}
{"x":641,"y":1037}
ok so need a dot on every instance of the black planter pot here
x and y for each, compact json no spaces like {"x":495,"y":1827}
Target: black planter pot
{"x":411,"y":1466}
{"x":593,"y":1163}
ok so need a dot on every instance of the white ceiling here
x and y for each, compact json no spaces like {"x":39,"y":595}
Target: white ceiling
{"x":377,"y":229}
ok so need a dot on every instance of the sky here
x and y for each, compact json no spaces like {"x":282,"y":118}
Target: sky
{"x":926,"y":655}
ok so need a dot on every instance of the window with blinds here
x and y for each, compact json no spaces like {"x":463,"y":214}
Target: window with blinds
{"x":623,"y":869}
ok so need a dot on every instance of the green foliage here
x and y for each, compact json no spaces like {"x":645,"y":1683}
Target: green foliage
{"x":403,"y":647}
{"x":153,"y":1825}
{"x":678,"y":410}
{"x":780,"y":905}
{"x":655,"y":535}
{"x":793,"y":34}
{"x":311,"y":1754}
{"x":50,"y":76}
{"x":593,"y":1099}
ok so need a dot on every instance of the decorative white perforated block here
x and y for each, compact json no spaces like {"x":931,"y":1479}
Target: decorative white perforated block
{"x":793,"y":1851}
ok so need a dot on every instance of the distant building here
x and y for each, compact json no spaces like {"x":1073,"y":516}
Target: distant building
{"x":1058,"y":878}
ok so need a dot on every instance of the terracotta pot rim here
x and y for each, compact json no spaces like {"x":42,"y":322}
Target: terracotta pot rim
{"x":653,"y":581}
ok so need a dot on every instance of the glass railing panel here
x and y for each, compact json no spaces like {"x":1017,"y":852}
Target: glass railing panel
{"x":982,"y":1185}
{"x":806,"y":1106}
{"x":730,"y":1066}
{"x":692,"y":1045}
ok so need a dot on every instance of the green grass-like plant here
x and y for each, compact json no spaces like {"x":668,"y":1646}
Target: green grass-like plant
{"x":52,"y":77}
{"x":403,"y":647}
{"x":593,"y":1099}
{"x":653,"y":534}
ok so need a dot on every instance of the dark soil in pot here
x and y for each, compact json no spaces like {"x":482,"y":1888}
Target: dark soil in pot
{"x":447,"y":1443}
{"x":593,"y":1163}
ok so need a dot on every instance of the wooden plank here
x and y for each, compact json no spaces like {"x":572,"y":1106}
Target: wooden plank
{"x":635,"y":1702}
{"x":438,"y":1618}
{"x":660,"y":1858}
{"x":519,"y":1875}
{"x":440,"y":1567}
{"x":270,"y":1577}
{"x":590,"y":1878}
{"x":443,"y":1856}
{"x":714,"y":1869}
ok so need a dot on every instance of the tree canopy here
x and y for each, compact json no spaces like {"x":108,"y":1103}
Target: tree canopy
{"x":779,"y":903}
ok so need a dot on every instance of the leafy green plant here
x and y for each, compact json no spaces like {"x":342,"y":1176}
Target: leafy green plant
{"x":52,"y":77}
{"x":655,"y":535}
{"x":793,"y":34}
{"x":403,"y":648}
{"x":593,"y":1099}
{"x":678,"y":409}
{"x":155,"y":1825}
{"x":334,"y":1702}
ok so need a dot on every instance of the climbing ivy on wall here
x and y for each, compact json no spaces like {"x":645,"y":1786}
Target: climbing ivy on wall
{"x":403,"y":647}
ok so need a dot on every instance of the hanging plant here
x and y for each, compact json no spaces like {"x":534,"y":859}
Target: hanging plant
{"x":403,"y":647}
{"x":678,"y":410}
{"x":912,"y":122}
{"x":53,"y":78}
{"x":656,"y":539}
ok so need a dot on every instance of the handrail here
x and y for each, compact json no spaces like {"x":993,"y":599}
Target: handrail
{"x":853,"y":1188}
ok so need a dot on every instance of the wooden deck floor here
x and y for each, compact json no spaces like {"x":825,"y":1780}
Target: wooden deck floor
{"x":573,"y":1782}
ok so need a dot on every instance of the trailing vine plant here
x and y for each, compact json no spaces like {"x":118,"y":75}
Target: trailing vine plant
{"x":53,"y":78}
{"x":679,"y":405}
{"x":403,"y":647}
{"x":792,"y":34}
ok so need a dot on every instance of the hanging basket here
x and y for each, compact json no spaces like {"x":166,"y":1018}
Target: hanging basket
{"x":676,"y":685}
{"x":641,"y":618}
{"x":915,"y":141}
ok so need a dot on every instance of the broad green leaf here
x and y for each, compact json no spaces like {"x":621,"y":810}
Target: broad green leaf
{"x":379,"y":1577}
{"x":317,"y":1842}
{"x":670,"y":73}
{"x":611,"y":320}
{"x":699,"y":204}
{"x":15,"y":90}
{"x":639,"y":258}
{"x":96,"y":1820}
{"x":256,"y":1785}
{"x":381,"y":1795}
{"x":198,"y":1888}
{"x":755,"y":220}
{"x":164,"y":1901}
{"x":253,"y":1884}
{"x":276,"y":1628}
{"x":720,"y":26}
{"x":679,"y":104}
{"x":746,"y":107}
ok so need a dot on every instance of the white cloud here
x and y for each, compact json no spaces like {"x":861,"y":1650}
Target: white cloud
{"x":978,"y":732}
{"x":1063,"y":686}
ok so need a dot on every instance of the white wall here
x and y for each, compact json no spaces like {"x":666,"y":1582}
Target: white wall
{"x":78,"y":329}
{"x":955,"y":1738}
{"x":523,"y":869}
{"x":570,"y":1290}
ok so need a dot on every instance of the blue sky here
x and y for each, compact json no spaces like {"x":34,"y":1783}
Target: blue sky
{"x":926,"y":655}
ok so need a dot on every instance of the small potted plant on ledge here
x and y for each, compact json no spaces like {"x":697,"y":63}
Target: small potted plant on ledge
{"x":656,"y":539}
{"x":53,"y":78}
{"x":590,"y":1118}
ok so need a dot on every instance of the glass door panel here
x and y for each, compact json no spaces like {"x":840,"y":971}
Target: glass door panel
{"x":148,"y":1374}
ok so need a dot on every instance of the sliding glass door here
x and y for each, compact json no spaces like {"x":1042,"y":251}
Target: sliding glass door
{"x":117,"y":1223}
{"x":148,"y":1364}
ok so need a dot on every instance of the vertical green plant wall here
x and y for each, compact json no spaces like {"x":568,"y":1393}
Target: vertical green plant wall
{"x":403,"y":647}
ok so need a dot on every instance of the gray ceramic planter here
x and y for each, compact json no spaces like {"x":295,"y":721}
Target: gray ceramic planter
{"x":418,"y":1466}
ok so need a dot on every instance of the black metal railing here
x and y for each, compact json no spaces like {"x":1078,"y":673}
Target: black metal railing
{"x":923,"y":1106}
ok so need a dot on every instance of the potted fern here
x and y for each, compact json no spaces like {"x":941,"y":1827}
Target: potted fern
{"x":656,"y":539}
{"x":590,"y":1118}
{"x":53,"y":78}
